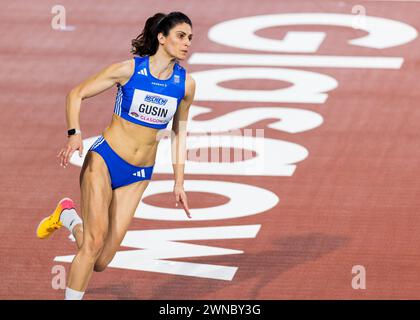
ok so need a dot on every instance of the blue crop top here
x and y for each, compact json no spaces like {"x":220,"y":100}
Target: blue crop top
{"x":148,"y":101}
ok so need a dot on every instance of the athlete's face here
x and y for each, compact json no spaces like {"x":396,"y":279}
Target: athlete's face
{"x":178,"y":41}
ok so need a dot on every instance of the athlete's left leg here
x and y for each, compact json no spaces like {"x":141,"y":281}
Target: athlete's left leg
{"x":121,"y":211}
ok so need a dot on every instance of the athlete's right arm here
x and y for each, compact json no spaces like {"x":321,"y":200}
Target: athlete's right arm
{"x":115,"y":73}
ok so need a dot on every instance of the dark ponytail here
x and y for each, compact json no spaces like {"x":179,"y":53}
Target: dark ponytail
{"x":146,"y":42}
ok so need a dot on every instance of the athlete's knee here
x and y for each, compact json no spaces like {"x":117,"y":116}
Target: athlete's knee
{"x":99,"y":266}
{"x":104,"y":260}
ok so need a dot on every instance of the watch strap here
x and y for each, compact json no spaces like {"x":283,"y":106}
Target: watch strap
{"x":71,"y":132}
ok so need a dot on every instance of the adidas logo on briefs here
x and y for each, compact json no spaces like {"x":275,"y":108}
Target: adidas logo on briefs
{"x":140,"y":173}
{"x":143,"y":72}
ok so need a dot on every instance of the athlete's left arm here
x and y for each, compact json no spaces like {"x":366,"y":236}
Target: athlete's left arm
{"x":178,"y":142}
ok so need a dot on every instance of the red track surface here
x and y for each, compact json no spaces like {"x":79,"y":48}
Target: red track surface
{"x":353,"y":201}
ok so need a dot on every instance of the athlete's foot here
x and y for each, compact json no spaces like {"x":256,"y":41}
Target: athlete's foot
{"x":49,"y":224}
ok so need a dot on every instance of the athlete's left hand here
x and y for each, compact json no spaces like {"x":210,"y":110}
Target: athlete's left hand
{"x":180,"y":196}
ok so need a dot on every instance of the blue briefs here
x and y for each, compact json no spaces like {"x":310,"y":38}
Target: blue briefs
{"x":122,"y":173}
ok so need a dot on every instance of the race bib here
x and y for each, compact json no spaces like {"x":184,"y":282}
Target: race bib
{"x":152,"y":107}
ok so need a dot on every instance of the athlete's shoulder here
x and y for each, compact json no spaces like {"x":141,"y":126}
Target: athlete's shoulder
{"x":123,"y":70}
{"x":126,"y":67}
{"x":189,"y":79}
{"x":189,"y":86}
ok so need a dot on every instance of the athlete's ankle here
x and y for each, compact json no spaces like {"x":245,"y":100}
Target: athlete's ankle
{"x":69,"y":218}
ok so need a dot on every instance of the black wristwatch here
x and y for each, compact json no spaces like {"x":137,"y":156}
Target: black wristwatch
{"x":73,"y":132}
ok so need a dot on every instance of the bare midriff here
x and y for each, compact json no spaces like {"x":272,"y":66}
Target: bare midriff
{"x":135,"y":143}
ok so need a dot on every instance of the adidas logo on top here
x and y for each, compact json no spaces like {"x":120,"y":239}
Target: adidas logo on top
{"x":143,"y":72}
{"x":140,"y":173}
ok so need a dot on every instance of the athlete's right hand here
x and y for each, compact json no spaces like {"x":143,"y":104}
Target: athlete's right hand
{"x":75,"y":143}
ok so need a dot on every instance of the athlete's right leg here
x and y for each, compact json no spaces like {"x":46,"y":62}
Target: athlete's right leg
{"x":96,"y":195}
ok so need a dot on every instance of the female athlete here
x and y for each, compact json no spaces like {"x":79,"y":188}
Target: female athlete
{"x":152,"y":89}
